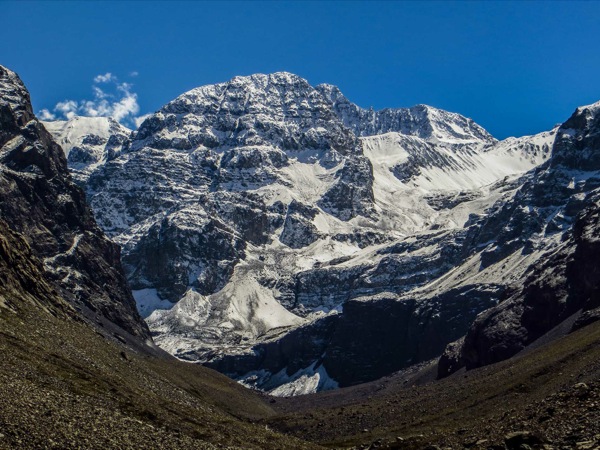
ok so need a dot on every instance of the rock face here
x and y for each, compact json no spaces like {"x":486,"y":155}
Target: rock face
{"x":22,"y":276}
{"x":555,"y":213}
{"x":39,"y":201}
{"x":164,"y":255}
{"x":383,"y":334}
{"x":373,"y":337}
{"x":298,"y":228}
{"x":260,"y":211}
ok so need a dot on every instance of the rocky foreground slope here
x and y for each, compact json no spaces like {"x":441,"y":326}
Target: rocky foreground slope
{"x":66,"y":384}
{"x":541,"y":399}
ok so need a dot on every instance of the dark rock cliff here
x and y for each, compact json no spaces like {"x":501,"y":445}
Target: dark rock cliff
{"x":39,"y":201}
{"x":373,"y":337}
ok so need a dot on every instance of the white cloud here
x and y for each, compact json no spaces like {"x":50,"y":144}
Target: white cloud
{"x":134,"y":74}
{"x":124,"y":87}
{"x":115,"y":99}
{"x":104,"y":78}
{"x":68,"y":108}
{"x":44,"y":114}
{"x":98,"y":93}
{"x":126,"y":107}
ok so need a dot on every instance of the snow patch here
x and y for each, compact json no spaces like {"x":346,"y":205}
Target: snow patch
{"x":309,"y":380}
{"x":148,"y":300}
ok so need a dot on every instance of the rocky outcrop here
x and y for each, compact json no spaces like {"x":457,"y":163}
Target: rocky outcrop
{"x":562,"y":284}
{"x":400,"y":267}
{"x":352,"y":193}
{"x":383,"y":334}
{"x":298,"y":228}
{"x":188,"y":241}
{"x":39,"y":201}
{"x":371,"y":338}
{"x":22,"y":277}
{"x":288,"y":352}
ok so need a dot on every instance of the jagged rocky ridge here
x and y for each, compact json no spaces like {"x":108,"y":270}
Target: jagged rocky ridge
{"x":263,"y":207}
{"x":421,"y":121}
{"x":42,"y":206}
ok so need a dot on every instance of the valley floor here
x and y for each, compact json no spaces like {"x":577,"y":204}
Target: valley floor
{"x":62,"y":385}
{"x":552,"y":392}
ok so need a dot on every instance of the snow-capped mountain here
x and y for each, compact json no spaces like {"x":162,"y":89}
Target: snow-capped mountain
{"x":263,"y":216}
{"x":88,"y":142}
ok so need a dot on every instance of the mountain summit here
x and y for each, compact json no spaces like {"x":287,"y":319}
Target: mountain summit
{"x":265,"y":214}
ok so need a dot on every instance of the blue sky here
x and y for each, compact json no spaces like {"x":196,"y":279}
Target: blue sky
{"x":514,"y":67}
